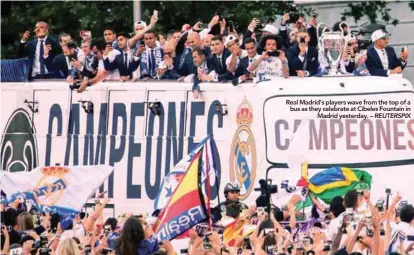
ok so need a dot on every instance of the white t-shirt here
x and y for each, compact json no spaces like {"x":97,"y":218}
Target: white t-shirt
{"x":286,"y":190}
{"x":113,"y":75}
{"x":271,"y":68}
{"x":78,"y":231}
{"x":404,"y":229}
{"x":228,"y":59}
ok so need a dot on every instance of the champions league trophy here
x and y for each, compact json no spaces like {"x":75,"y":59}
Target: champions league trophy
{"x":332,"y":45}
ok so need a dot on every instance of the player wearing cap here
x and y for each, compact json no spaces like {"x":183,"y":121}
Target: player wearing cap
{"x":381,"y":58}
{"x":233,"y":61}
{"x":141,"y":28}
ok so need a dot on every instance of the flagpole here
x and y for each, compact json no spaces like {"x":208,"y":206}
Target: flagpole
{"x":216,"y":174}
{"x":208,"y":189}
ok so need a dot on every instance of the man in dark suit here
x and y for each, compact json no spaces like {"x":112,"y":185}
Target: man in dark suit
{"x":110,"y":37}
{"x":125,"y":62}
{"x":185,"y":46}
{"x":217,"y":60}
{"x":302,"y":58}
{"x":168,"y":68}
{"x":63,"y":63}
{"x":381,"y":59}
{"x":201,"y":69}
{"x":41,"y":51}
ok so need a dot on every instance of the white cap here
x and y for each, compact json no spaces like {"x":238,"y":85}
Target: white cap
{"x":378,"y":34}
{"x":349,"y":37}
{"x":229,"y":39}
{"x":270,"y":28}
{"x":140,"y":23}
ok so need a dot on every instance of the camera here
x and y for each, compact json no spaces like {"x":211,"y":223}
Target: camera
{"x":231,"y":26}
{"x":293,"y":14}
{"x":87,"y":249}
{"x":380,"y":205}
{"x":246,"y":243}
{"x":106,"y":251}
{"x":326,"y":246}
{"x":349,"y":215}
{"x":206,"y":242}
{"x":266,"y":189}
{"x":271,"y":249}
{"x":273,"y":53}
{"x":75,"y":85}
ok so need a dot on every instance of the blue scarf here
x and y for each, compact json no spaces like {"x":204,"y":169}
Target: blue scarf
{"x":145,"y":62}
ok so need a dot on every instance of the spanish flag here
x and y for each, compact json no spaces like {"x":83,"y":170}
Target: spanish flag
{"x":335,"y":181}
{"x":186,"y":206}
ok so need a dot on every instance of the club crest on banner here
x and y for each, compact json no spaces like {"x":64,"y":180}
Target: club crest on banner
{"x":243,"y":157}
{"x":51,"y":186}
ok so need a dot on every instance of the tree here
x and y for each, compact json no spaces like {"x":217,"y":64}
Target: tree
{"x":371,"y":9}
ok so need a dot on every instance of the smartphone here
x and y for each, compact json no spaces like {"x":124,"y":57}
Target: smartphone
{"x":155,"y":13}
{"x":220,"y":17}
{"x":269,"y":231}
{"x":231,"y":26}
{"x":404,"y":49}
{"x":260,"y":210}
{"x":380,"y":205}
{"x":273,"y":53}
{"x":142,"y":43}
{"x":302,"y":40}
{"x":106,"y":251}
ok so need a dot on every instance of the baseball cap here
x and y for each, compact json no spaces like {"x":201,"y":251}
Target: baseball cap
{"x":349,"y":37}
{"x":270,"y":28}
{"x":378,"y":34}
{"x":140,"y":23}
{"x":229,"y":39}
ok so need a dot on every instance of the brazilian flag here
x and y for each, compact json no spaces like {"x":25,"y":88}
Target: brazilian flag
{"x":335,"y":181}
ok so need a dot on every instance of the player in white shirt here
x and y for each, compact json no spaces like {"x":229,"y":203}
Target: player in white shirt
{"x":273,"y":62}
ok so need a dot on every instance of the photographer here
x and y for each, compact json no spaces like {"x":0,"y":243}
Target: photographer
{"x":272,"y":63}
{"x":296,"y":21}
{"x":303,"y":58}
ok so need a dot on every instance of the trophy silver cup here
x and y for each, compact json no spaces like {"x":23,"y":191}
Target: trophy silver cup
{"x":333,"y":44}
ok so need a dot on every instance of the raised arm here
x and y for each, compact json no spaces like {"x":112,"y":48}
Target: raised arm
{"x":132,"y":42}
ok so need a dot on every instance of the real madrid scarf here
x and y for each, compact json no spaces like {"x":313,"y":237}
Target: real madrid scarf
{"x":145,"y":61}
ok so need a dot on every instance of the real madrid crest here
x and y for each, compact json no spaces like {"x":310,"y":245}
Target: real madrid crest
{"x":243,"y":158}
{"x":51,"y":186}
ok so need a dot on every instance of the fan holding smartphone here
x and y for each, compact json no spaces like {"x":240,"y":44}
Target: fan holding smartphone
{"x":273,"y":62}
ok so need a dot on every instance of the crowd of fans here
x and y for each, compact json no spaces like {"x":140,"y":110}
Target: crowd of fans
{"x":213,"y":52}
{"x":349,"y":225}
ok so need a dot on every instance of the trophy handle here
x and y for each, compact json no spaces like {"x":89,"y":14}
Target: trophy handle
{"x":319,"y":36}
